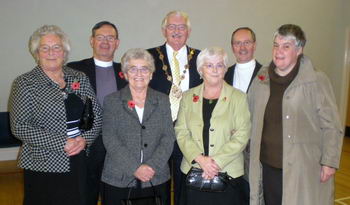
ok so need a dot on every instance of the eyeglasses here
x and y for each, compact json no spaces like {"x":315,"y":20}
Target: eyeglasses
{"x":54,"y":48}
{"x":219,"y":66}
{"x":173,"y":27}
{"x":240,"y":43}
{"x":134,"y":70}
{"x":108,"y":38}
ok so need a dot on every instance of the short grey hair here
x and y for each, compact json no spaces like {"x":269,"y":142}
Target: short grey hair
{"x":208,"y":53}
{"x":34,"y":40}
{"x":176,"y":13}
{"x":135,"y":54}
{"x":291,"y":32}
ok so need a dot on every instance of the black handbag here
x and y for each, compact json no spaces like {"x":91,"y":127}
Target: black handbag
{"x":194,"y":180}
{"x":151,"y":200}
{"x":87,"y":118}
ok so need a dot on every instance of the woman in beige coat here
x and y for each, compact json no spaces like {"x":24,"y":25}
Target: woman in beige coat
{"x":296,"y":132}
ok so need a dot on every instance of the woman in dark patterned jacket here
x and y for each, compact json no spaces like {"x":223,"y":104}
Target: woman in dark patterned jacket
{"x":46,"y":106}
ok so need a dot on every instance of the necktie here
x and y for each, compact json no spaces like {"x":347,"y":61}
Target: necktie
{"x":175,"y":92}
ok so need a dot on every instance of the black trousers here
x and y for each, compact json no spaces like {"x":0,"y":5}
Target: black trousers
{"x":95,"y":163}
{"x":113,"y":195}
{"x":45,"y":188}
{"x":272,"y":185}
{"x":175,"y":163}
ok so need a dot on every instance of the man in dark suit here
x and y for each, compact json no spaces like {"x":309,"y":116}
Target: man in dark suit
{"x":105,"y":77}
{"x":241,"y":74}
{"x":176,"y":72}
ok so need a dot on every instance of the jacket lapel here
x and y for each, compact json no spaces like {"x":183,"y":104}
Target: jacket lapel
{"x":151,"y":104}
{"x":126,"y":97}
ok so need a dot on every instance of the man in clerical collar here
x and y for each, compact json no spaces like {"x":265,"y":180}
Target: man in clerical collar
{"x":241,"y":74}
{"x":176,"y":72}
{"x":105,"y":77}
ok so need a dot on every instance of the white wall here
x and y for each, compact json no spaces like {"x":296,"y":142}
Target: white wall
{"x":323,"y":21}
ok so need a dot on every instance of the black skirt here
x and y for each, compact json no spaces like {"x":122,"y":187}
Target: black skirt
{"x":45,"y":188}
{"x":114,"y":195}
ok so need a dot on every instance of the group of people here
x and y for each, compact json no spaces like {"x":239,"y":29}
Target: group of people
{"x":274,"y":130}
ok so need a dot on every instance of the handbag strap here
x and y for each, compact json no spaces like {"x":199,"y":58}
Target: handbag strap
{"x":130,"y":188}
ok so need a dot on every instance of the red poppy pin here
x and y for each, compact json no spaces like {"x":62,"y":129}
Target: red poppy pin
{"x":131,"y":104}
{"x":121,"y":75}
{"x":75,"y":85}
{"x":195,"y":98}
{"x":261,"y":77}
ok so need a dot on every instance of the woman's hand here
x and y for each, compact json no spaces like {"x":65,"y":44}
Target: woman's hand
{"x":209,"y":166}
{"x":326,"y":173}
{"x":74,"y":145}
{"x":144,"y":173}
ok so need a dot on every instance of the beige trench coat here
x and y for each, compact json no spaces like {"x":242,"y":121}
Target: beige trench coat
{"x":312,"y":136}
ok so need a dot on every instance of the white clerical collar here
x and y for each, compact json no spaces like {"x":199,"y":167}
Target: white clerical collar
{"x":249,"y":64}
{"x":103,"y":64}
{"x":182,"y":50}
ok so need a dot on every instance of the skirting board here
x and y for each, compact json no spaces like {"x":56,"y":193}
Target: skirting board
{"x":10,"y":153}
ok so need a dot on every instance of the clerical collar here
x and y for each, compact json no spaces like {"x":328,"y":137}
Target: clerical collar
{"x":103,"y":64}
{"x":249,"y":64}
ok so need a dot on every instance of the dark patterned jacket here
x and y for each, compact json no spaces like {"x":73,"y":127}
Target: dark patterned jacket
{"x":38,"y":118}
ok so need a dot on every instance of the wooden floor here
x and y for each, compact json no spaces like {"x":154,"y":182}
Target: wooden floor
{"x":11,"y":180}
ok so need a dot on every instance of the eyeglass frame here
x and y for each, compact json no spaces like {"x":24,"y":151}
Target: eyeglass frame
{"x":210,"y":66}
{"x":242,"y":43}
{"x":143,"y":70}
{"x":46,"y":48}
{"x":101,"y":38}
{"x":174,"y":27}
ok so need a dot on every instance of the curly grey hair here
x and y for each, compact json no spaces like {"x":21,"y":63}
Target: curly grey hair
{"x":134,"y":54}
{"x":34,"y":41}
{"x":208,"y":53}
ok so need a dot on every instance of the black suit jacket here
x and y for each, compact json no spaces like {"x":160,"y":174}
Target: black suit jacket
{"x":159,"y":81}
{"x":231,"y":72}
{"x":88,"y":67}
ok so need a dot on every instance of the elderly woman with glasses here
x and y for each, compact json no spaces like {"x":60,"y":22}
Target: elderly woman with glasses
{"x":138,"y":135}
{"x":296,"y":136}
{"x":212,"y":131}
{"x":46,"y":105}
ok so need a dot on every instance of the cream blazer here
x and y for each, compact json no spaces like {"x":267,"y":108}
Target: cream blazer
{"x":228,"y":134}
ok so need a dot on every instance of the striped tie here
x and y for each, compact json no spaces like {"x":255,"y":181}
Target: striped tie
{"x":175,"y":92}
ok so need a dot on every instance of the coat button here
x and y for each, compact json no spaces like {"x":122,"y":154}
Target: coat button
{"x":145,"y":145}
{"x":143,"y":127}
{"x":211,"y":145}
{"x":211,"y":129}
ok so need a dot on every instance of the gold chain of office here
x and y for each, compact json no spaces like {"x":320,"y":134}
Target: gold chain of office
{"x":165,"y":67}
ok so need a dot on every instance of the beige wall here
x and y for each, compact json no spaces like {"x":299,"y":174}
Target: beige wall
{"x":324,"y":22}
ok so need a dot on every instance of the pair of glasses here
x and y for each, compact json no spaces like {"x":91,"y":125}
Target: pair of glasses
{"x":103,"y":38}
{"x":54,"y":48}
{"x":219,"y":66}
{"x":134,"y":70}
{"x":173,"y":27}
{"x":242,"y":43}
